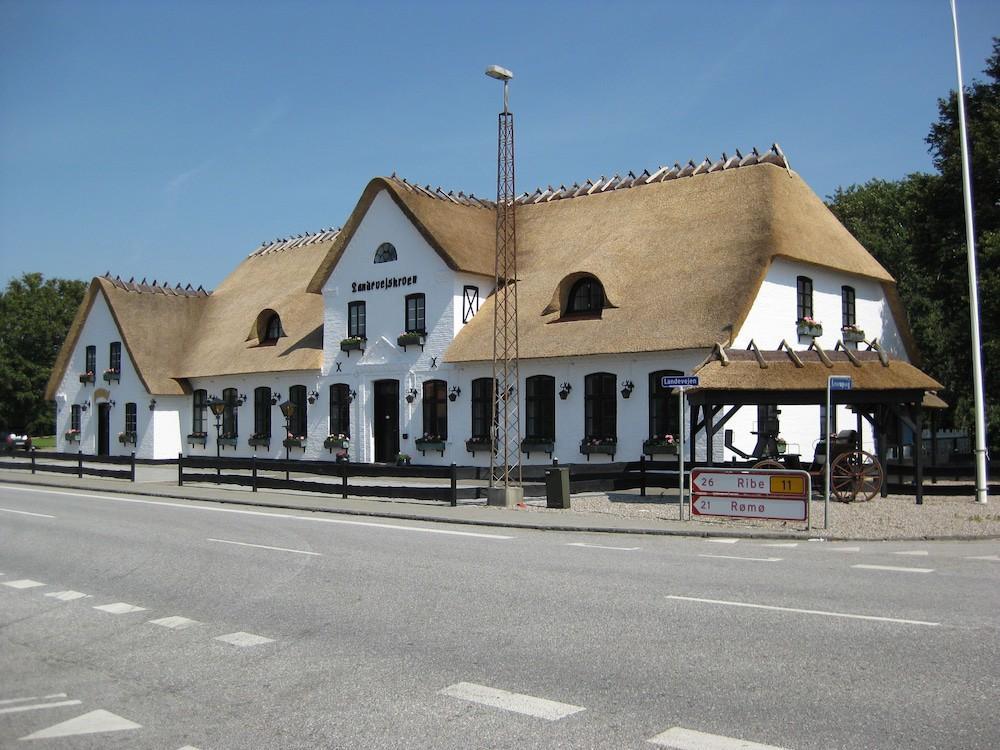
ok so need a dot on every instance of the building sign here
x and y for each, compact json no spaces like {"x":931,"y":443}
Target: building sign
{"x":389,"y":282}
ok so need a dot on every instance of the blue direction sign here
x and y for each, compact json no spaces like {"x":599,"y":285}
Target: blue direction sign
{"x":679,"y":381}
{"x":840,"y":383}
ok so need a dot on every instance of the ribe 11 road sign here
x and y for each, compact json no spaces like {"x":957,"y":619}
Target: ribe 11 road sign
{"x":778,"y":494}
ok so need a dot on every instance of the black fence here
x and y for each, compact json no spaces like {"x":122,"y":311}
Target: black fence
{"x":74,"y":464}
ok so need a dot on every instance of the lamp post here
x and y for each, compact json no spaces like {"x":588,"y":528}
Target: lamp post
{"x":217,"y":405}
{"x":287,"y":411}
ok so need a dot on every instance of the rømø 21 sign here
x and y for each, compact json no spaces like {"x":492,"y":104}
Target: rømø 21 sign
{"x":777,"y":494}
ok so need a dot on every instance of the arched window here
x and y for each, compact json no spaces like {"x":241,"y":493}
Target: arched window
{"x":272,"y":330}
{"x":340,"y":410}
{"x":482,"y":408}
{"x":586,"y":296}
{"x":664,"y":410}
{"x":262,"y":412}
{"x":198,"y":404}
{"x":230,"y":425}
{"x":299,"y":419}
{"x":540,"y":407}
{"x":600,"y":406}
{"x":435,"y":403}
{"x":385,"y":253}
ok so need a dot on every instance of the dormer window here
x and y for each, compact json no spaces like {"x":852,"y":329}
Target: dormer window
{"x":272,"y":331}
{"x":385,"y":253}
{"x":586,"y":297}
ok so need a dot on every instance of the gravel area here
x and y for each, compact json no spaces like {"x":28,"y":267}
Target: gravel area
{"x":893,"y":517}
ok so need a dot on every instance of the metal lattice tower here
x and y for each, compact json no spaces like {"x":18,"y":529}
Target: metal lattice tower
{"x":505,"y":466}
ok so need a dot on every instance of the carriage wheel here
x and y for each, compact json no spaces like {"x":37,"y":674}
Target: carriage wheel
{"x":769,"y":463}
{"x":856,"y":476}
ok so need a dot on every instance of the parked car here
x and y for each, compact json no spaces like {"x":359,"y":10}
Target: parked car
{"x":12,"y":441}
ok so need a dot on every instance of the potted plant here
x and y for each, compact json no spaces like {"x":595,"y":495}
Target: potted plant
{"x":538,"y":445}
{"x":72,"y":436}
{"x":607,"y":445}
{"x":197,"y":438}
{"x":352,"y":344}
{"x":228,"y":438}
{"x":411,"y":338}
{"x":660,"y":444}
{"x":479,"y":444}
{"x":259,"y":439}
{"x":337,"y":441}
{"x":87,"y":377}
{"x":402,"y":459}
{"x":111,"y":375}
{"x":429,"y":442}
{"x":808,"y":326}
{"x":295,"y":441}
{"x":852,"y":333}
{"x":127,"y":438}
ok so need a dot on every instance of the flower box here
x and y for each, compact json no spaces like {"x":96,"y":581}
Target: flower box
{"x":294,"y":443}
{"x":659,"y":447}
{"x":852,"y":335}
{"x":230,"y":441}
{"x":127,"y":438}
{"x":112,"y":376}
{"x":529,"y":445}
{"x":429,"y":445}
{"x":352,"y":344}
{"x":72,"y":437}
{"x":86,"y":377}
{"x":587,"y":447}
{"x":809,"y":328}
{"x":478,"y":445}
{"x":197,"y":438}
{"x":411,"y":338}
{"x":260,"y":442}
{"x":336,"y":442}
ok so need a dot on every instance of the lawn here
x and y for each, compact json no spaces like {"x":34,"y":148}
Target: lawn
{"x":42,"y":443}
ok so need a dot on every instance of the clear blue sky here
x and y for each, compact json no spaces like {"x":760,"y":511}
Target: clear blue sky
{"x":167,"y":139}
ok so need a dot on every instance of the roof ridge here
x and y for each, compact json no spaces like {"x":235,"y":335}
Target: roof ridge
{"x":773,"y":155}
{"x":298,"y":240}
{"x":155,"y":287}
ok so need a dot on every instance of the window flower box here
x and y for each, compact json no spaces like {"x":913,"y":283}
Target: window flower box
{"x":86,"y":377}
{"x":411,"y":338}
{"x":337,"y":441}
{"x":127,"y":438}
{"x":197,"y":438}
{"x":479,"y":445}
{"x":809,"y":327}
{"x":112,"y":376}
{"x":429,"y":443}
{"x":536,"y":445}
{"x":229,"y":440}
{"x":352,"y":344}
{"x":294,"y":442}
{"x":852,"y":334}
{"x":72,"y":436}
{"x":608,"y":446}
{"x":260,"y":441}
{"x":657,"y":445}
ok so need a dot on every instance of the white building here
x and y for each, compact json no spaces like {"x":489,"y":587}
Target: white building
{"x":382,"y":331}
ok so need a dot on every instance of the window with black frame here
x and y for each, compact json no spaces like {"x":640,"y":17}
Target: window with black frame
{"x":804,"y":298}
{"x":847,"y":307}
{"x":199,"y":404}
{"x":435,"y":407}
{"x":115,"y":357}
{"x":90,"y":355}
{"x":356,"y":320}
{"x":586,"y":297}
{"x":273,"y":330}
{"x":600,"y":407}
{"x":230,"y":423}
{"x":540,"y":407}
{"x":74,"y":418}
{"x":482,"y":409}
{"x":664,"y":409}
{"x":299,"y":419}
{"x":340,"y":410}
{"x":415,"y":321}
{"x":131,"y":419}
{"x":262,"y":412}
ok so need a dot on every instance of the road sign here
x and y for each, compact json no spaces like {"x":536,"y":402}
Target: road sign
{"x":749,"y":507}
{"x":679,"y":381}
{"x":746,"y":482}
{"x":841,"y":383}
{"x":778,"y":494}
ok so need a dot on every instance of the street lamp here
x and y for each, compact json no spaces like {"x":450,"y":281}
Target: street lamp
{"x":287,"y":411}
{"x":217,"y":405}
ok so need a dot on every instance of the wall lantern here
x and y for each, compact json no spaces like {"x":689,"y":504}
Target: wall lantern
{"x":275,"y":398}
{"x":85,"y":405}
{"x":351,"y":396}
{"x":412,"y":394}
{"x":627,"y":387}
{"x":152,"y":404}
{"x":111,"y":404}
{"x":241,"y":399}
{"x":313,"y":397}
{"x":454,"y":393}
{"x":564,"y":390}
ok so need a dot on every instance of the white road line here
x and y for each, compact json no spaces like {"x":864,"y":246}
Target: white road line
{"x":89,"y":723}
{"x":724,"y":540}
{"x":119,"y":608}
{"x":8,"y":701}
{"x":841,"y":549}
{"x":243,"y":639}
{"x":68,"y":596}
{"x":600,"y":546}
{"x":894,"y":568}
{"x":208,"y":508}
{"x":37,"y":706}
{"x":914,"y":552}
{"x":803,"y":611}
{"x":264,"y":546}
{"x":523,"y":704}
{"x":734,"y":557}
{"x":781,"y":544}
{"x":688,"y":739}
{"x":24,"y":583}
{"x":26,"y":513}
{"x":991,"y":558}
{"x":175,"y":622}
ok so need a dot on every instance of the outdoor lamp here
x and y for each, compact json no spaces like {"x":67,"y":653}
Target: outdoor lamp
{"x":454,"y":393}
{"x":411,"y":395}
{"x":217,"y":405}
{"x":627,"y":387}
{"x":287,"y":409}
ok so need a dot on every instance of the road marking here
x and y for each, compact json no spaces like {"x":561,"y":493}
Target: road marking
{"x":600,"y":546}
{"x":243,"y":639}
{"x":895,"y":568}
{"x":688,"y":739}
{"x":734,"y":557}
{"x":188,"y":506}
{"x":8,"y":701}
{"x":842,"y":549}
{"x":781,"y":544}
{"x":120,"y":608}
{"x":26,"y":513}
{"x":912,"y":552}
{"x":723,"y":541}
{"x":523,"y":704}
{"x":803,"y":611}
{"x":174,"y":622}
{"x":992,"y":558}
{"x":188,"y":747}
{"x":68,"y":596}
{"x":36,"y":706}
{"x":24,"y":583}
{"x":264,"y":546}
{"x":89,"y":723}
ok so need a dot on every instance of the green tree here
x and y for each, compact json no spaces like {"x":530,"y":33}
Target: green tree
{"x":35,"y":315}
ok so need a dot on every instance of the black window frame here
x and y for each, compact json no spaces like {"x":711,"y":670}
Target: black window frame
{"x":199,"y":408}
{"x":434,"y":401}
{"x":481,"y":407}
{"x":586,"y":297}
{"x":230,"y":414}
{"x":340,"y":410}
{"x":803,"y":297}
{"x":131,"y":418}
{"x":262,"y":412}
{"x":470,"y":302}
{"x":90,"y":359}
{"x":385,"y":253}
{"x":273,"y":329}
{"x":540,"y":407}
{"x":600,"y":406}
{"x":848,"y":306}
{"x":415,"y":312}
{"x":74,"y":417}
{"x":298,"y":423}
{"x":664,"y":410}
{"x":115,"y":356}
{"x":356,"y":319}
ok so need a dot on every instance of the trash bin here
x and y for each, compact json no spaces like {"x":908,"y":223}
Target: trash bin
{"x":557,"y":487}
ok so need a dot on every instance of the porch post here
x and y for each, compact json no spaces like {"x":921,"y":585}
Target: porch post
{"x":918,"y":453}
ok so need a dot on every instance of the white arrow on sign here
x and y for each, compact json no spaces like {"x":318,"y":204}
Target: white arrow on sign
{"x":750,"y":507}
{"x":743,"y":484}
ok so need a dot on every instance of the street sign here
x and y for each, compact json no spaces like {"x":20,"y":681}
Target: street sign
{"x":679,"y":381}
{"x":728,"y":482}
{"x":841,"y":383}
{"x":779,"y":494}
{"x":745,"y":507}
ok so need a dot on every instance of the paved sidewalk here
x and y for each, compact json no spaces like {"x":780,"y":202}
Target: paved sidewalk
{"x":161,"y":483}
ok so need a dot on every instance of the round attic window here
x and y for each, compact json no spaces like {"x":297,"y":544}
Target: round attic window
{"x":586,"y":296}
{"x":385,"y":253}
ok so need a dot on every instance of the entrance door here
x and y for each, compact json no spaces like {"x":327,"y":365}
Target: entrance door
{"x":103,"y":429}
{"x":386,"y":425}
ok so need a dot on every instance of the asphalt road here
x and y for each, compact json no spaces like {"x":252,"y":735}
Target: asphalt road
{"x":280,"y":629}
